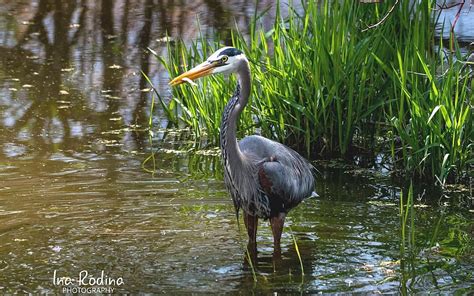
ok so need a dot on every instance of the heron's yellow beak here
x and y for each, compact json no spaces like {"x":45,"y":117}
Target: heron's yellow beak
{"x":201,"y":70}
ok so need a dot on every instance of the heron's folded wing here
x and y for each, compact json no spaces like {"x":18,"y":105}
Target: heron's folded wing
{"x":281,"y":181}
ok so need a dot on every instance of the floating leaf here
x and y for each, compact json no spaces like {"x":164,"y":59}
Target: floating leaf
{"x":114,"y":66}
{"x":165,"y":39}
{"x":57,"y":249}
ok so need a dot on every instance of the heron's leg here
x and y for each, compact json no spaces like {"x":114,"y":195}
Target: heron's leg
{"x":277,"y":228}
{"x":251,"y":223}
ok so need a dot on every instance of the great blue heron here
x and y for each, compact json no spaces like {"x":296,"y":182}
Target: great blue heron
{"x":265,"y":178}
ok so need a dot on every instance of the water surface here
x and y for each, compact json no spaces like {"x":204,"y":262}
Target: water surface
{"x":74,"y":196}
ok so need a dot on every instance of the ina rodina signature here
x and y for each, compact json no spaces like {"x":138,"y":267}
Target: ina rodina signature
{"x":85,"y":281}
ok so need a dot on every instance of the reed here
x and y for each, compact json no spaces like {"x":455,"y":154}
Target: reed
{"x":326,"y":86}
{"x":407,"y":223}
{"x":407,"y":239}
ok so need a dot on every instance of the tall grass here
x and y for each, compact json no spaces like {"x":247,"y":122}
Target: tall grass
{"x":326,"y":86}
{"x":432,"y":115}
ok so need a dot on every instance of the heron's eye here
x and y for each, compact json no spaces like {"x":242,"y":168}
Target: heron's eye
{"x":224,"y":59}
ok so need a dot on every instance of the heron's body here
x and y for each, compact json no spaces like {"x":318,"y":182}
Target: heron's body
{"x":266,"y":179}
{"x":274,"y":179}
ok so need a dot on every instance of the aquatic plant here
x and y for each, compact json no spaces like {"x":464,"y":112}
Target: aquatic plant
{"x":422,"y":249}
{"x":327,"y":85}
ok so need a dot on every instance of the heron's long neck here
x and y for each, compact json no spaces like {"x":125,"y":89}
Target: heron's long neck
{"x":231,"y":153}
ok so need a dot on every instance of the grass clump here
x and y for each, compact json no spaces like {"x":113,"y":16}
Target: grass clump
{"x":327,"y":87}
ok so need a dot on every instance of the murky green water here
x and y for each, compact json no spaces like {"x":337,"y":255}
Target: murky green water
{"x":74,"y":197}
{"x":176,"y":232}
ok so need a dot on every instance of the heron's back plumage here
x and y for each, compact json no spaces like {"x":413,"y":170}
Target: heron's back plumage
{"x":284,"y":176}
{"x":273,"y":178}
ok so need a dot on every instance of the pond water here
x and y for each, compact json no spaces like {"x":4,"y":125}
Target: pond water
{"x":461,"y":15}
{"x":75,"y":198}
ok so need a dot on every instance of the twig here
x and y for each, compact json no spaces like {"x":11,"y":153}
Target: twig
{"x":445,"y":6}
{"x":456,"y":18}
{"x":383,"y":19}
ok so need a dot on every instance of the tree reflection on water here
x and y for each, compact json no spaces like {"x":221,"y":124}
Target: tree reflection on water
{"x":70,"y":70}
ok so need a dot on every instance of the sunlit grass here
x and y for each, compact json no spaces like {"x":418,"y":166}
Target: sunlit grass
{"x":326,"y":87}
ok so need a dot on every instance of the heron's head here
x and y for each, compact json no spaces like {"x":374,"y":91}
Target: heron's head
{"x":225,"y":60}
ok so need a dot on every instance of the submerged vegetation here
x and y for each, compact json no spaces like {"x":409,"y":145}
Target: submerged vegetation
{"x":430,"y":250}
{"x":327,"y":85}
